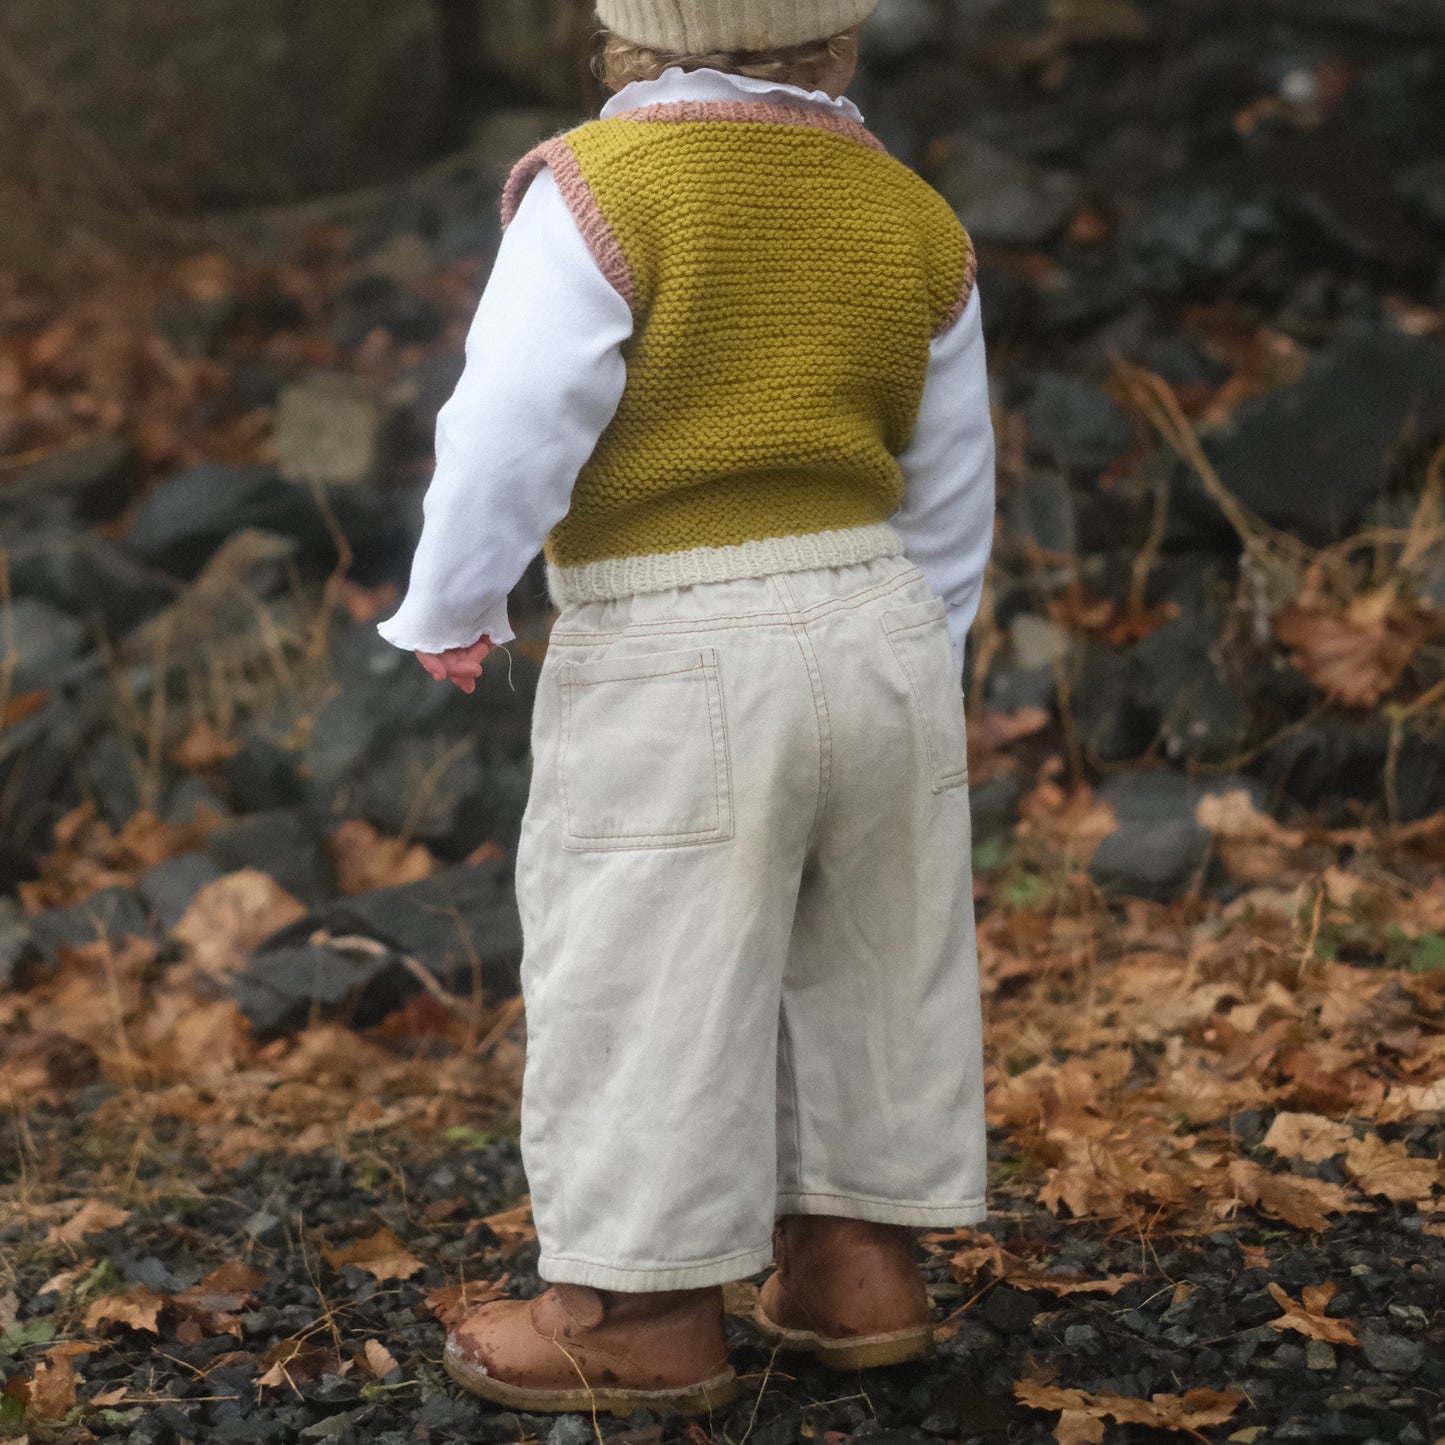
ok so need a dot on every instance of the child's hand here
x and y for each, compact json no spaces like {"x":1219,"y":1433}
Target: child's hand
{"x":463,"y":665}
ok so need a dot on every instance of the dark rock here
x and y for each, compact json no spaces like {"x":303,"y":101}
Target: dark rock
{"x":1003,"y":199}
{"x":459,"y":917}
{"x":188,"y":799}
{"x":1040,"y":514}
{"x":378,"y":303}
{"x":191,"y":513}
{"x":280,"y":843}
{"x":110,"y":915}
{"x":897,"y":28}
{"x":111,"y":773}
{"x":83,"y":485}
{"x":245,"y":101}
{"x":14,"y":939}
{"x":1010,"y":1310}
{"x":37,"y":785}
{"x":420,"y":782}
{"x":1422,"y":188}
{"x":993,"y":807}
{"x":46,"y":641}
{"x":92,"y":577}
{"x":1391,"y":1354}
{"x":170,"y":886}
{"x":571,"y":1430}
{"x":262,"y":776}
{"x":280,"y":990}
{"x":1158,"y":846}
{"x":1196,"y":240}
{"x":1309,"y":457}
{"x":1074,"y":425}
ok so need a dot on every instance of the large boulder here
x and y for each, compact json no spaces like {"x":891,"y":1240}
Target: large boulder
{"x":222,"y":101}
{"x":542,"y":47}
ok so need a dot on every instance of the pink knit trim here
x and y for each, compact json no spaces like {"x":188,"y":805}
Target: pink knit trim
{"x":559,"y":157}
{"x":965,"y":293}
{"x":683,"y":112}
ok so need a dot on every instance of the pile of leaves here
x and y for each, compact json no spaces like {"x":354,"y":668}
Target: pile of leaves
{"x":1267,"y":1071}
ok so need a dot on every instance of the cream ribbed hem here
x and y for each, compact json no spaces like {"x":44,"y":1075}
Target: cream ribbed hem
{"x":649,"y":1278}
{"x":658,"y":571}
{"x":883,"y":1211}
{"x":695,"y":27}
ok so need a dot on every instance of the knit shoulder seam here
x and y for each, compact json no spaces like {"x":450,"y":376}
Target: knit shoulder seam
{"x":558,"y":156}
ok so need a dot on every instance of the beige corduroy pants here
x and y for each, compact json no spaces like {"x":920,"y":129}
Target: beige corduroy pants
{"x":750,"y":969}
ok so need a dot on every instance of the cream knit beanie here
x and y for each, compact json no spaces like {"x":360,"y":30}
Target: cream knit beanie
{"x":696,"y":27}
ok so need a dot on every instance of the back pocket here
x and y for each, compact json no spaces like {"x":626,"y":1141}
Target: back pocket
{"x":918,"y":636}
{"x":644,"y":758}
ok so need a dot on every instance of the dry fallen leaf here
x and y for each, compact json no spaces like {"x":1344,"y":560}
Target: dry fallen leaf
{"x":363,"y":859}
{"x":1251,"y":845}
{"x":1308,"y":1318}
{"x":382,"y":1255}
{"x":232,"y":916}
{"x":378,"y":1360}
{"x":292,"y":1362}
{"x":138,"y":1309}
{"x":1310,"y":1137}
{"x":52,"y":1389}
{"x":452,"y":1302}
{"x":1304,"y":1203}
{"x":1187,"y":1413}
{"x":1356,"y":653}
{"x":1389,"y":1169}
{"x":513,"y":1228}
{"x":94,"y":1217}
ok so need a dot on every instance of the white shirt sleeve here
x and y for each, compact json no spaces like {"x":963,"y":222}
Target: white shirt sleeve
{"x":946,"y":519}
{"x":544,"y":374}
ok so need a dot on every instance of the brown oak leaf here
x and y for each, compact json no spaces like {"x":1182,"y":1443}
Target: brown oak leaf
{"x":1357,"y":652}
{"x":1308,"y":1318}
{"x":382,"y":1255}
{"x":1389,"y":1169}
{"x":1304,"y":1203}
{"x":1187,"y":1413}
{"x":95,"y":1216}
{"x":1310,"y":1137}
{"x":137,"y":1309}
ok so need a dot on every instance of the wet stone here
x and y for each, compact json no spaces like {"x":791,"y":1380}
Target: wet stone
{"x":184,"y":520}
{"x":170,"y":886}
{"x":46,"y":641}
{"x":571,"y":1430}
{"x":1010,"y":1310}
{"x":1391,"y":1354}
{"x":111,"y":914}
{"x":1319,"y":1355}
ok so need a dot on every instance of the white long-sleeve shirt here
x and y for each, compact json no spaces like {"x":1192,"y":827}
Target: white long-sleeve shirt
{"x":545,"y":372}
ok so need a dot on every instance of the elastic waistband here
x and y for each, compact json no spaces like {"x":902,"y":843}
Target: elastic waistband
{"x":659,"y":571}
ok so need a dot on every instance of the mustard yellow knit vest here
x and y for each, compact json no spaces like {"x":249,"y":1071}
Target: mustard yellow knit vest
{"x":786,"y":277}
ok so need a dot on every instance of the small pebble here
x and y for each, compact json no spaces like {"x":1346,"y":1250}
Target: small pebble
{"x":1319,"y":1355}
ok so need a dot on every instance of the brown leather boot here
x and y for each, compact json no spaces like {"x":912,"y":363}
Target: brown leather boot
{"x":575,"y":1348}
{"x":846,"y":1291}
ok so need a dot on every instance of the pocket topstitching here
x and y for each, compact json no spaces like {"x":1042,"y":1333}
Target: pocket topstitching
{"x":644,"y":759}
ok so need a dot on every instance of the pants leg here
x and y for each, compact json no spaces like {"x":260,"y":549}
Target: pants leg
{"x":880,"y":1110}
{"x":675,"y":782}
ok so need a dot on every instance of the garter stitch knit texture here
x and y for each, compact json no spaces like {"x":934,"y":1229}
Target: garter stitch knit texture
{"x":786,"y":277}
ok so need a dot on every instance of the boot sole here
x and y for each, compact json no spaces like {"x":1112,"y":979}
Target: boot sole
{"x":699,"y":1399}
{"x":859,"y":1352}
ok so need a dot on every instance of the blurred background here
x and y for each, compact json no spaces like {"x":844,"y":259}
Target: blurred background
{"x":241,"y":243}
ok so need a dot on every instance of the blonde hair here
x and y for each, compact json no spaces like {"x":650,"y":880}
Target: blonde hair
{"x":620,"y":62}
